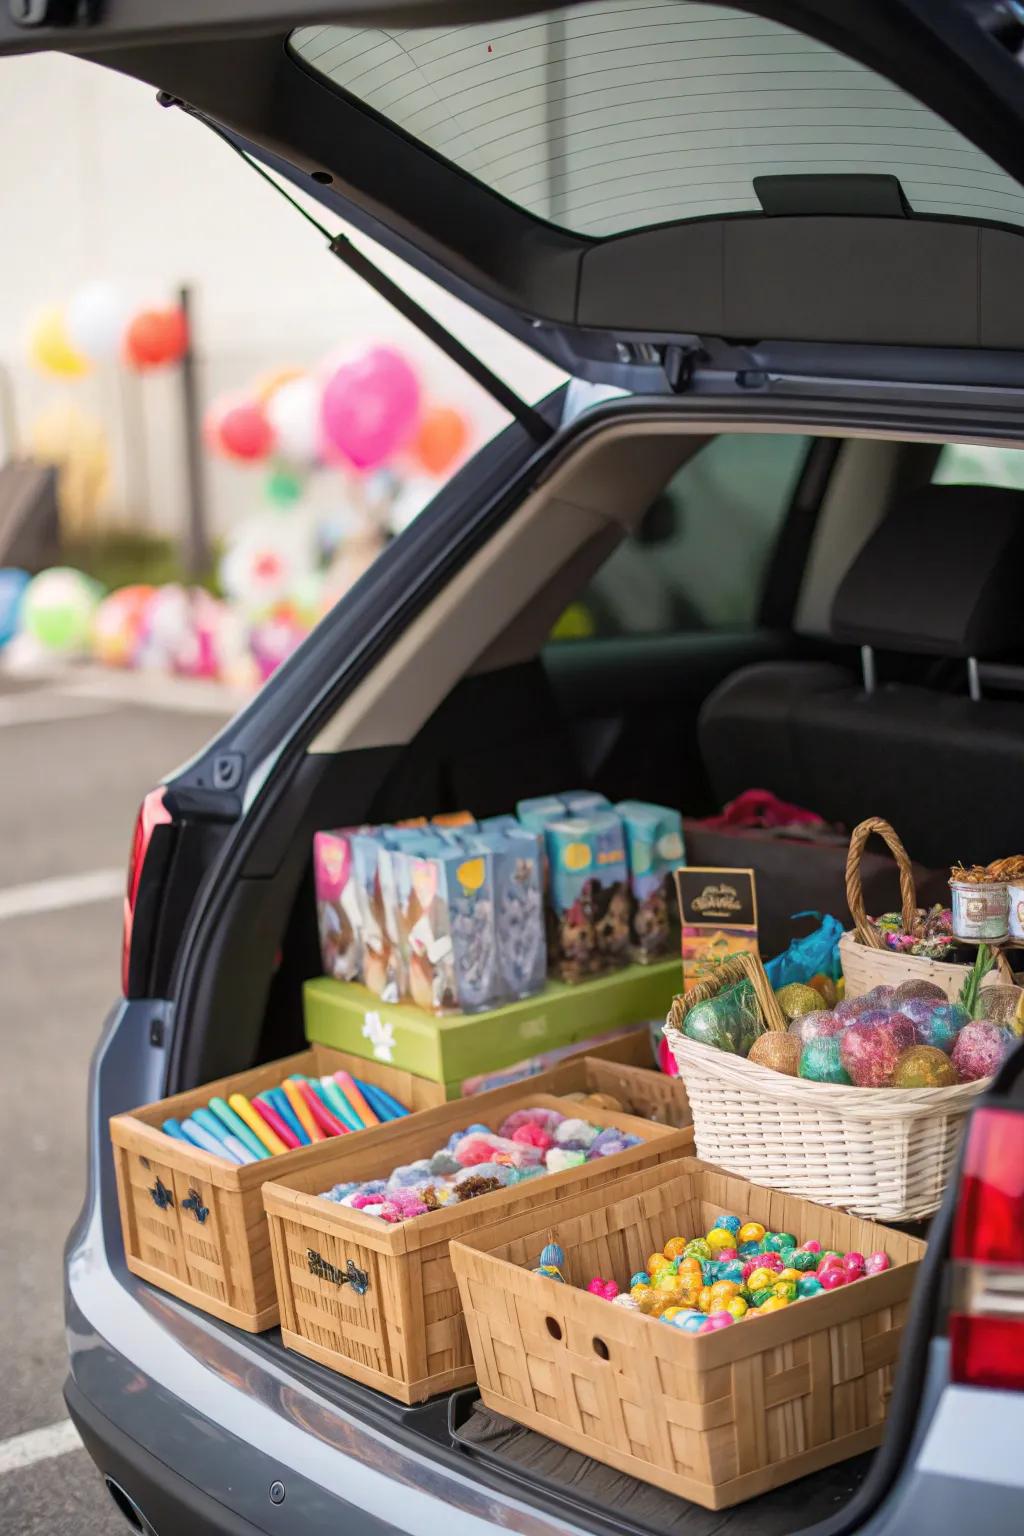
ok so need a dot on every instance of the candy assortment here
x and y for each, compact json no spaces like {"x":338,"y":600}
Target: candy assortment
{"x":300,"y":1111}
{"x":477,"y":1160}
{"x":457,"y":915}
{"x":735,"y":1272}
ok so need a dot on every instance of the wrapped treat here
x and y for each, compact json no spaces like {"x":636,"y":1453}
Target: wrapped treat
{"x":381,"y":957}
{"x":731,"y":1020}
{"x":654,"y":848}
{"x":519,"y":909}
{"x":337,"y":904}
{"x":453,"y":959}
{"x":536,"y":813}
{"x":589,"y":895}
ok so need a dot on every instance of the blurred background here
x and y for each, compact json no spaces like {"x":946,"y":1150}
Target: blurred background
{"x":208,"y":427}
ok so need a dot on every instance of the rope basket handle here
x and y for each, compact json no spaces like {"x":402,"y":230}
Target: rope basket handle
{"x":855,"y":889}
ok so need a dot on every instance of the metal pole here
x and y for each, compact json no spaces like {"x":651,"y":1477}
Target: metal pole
{"x":197,"y":542}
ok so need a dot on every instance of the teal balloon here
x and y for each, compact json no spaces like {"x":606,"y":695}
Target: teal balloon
{"x":12,"y":589}
{"x":284,"y":488}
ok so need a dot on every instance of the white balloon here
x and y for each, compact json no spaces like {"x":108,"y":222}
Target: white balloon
{"x":96,"y":319}
{"x":293,"y":411}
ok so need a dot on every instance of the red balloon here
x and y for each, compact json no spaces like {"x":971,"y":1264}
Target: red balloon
{"x":243,"y":431}
{"x":156,"y":337}
{"x":441,"y":439}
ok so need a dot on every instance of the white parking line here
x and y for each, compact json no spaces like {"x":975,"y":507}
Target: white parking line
{"x":63,"y":891}
{"x":46,"y":706}
{"x":38,"y":1445}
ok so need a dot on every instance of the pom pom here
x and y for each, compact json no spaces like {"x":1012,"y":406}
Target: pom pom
{"x":558,"y":1159}
{"x":532,"y":1136}
{"x":546,"y":1119}
{"x":500,"y":1171}
{"x":443,"y":1163}
{"x":578,"y":1132}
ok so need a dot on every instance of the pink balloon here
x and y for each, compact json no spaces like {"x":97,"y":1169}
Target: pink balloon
{"x":370,"y":407}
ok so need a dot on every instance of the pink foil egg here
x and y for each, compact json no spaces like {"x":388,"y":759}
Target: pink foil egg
{"x":854,"y":1260}
{"x":832,"y":1276}
{"x":716,"y":1321}
{"x":875,"y":1263}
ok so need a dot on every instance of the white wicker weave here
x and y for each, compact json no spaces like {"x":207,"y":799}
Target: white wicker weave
{"x":881,"y":1153}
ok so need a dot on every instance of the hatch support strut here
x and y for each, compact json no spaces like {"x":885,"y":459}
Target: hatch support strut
{"x":341,"y":246}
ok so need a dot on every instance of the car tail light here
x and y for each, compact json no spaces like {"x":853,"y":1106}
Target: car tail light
{"x":152,"y":814}
{"x":986,"y":1325}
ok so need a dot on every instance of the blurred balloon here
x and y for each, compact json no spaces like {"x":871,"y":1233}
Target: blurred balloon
{"x":284,"y":487}
{"x":50,"y":347}
{"x":75,"y":442}
{"x":264,"y":559}
{"x":274,"y":639}
{"x":197,"y":656}
{"x":12,"y":589}
{"x":118,"y":624}
{"x":293,"y":411}
{"x":166,"y":628}
{"x":96,"y":321}
{"x":239,"y":429}
{"x":156,"y":337}
{"x":268,"y":384}
{"x":441,"y":439}
{"x":58,"y":607}
{"x":369,"y":407}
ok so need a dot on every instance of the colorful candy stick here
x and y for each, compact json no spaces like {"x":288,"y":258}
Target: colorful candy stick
{"x":263,"y":1107}
{"x":173,"y":1128}
{"x":318,"y":1109}
{"x":387,"y":1108}
{"x":279,"y":1099}
{"x":259,"y":1127}
{"x":301,"y":1109}
{"x":234,"y":1148}
{"x":350,"y":1088}
{"x":339,"y":1105}
{"x":317,"y":1088}
{"x":200,"y":1138}
{"x":237,"y":1126}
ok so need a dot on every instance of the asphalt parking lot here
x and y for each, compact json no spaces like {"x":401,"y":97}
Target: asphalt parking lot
{"x":76,"y":761}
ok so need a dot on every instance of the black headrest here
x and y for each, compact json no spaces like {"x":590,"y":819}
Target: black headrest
{"x":941,"y":573}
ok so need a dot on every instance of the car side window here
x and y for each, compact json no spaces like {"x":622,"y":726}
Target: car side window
{"x":971,"y":464}
{"x":700,"y":557}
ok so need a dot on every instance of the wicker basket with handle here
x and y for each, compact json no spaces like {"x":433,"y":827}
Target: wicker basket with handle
{"x":866,"y":961}
{"x":882,"y":1153}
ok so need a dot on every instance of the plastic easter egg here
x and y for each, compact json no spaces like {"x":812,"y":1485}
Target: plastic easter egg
{"x":808,"y":1285}
{"x":802,"y":1261}
{"x":936,"y":1024}
{"x":751,"y":1232}
{"x":773,"y":1304}
{"x":868,"y":1051}
{"x":832,"y":1277}
{"x":717,"y":1321}
{"x":875,"y":1263}
{"x":820,"y":1061}
{"x":777,"y":1050}
{"x":675,"y":1248}
{"x":551,"y":1253}
{"x":640,"y":1278}
{"x":730,"y":1223}
{"x":718,"y":1238}
{"x":818,"y":1025}
{"x":923,"y":1066}
{"x":797,"y":999}
{"x":697,"y":1248}
{"x":980,"y":1050}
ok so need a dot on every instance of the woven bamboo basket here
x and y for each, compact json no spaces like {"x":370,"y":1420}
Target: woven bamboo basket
{"x":866,"y":961}
{"x":715,"y":1419}
{"x":882,"y":1153}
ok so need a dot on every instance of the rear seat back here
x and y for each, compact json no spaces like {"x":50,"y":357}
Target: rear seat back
{"x":943,"y":575}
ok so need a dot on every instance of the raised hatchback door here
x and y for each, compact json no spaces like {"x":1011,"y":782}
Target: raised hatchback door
{"x":613,"y":180}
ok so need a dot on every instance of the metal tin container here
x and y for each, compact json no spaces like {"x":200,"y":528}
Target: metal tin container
{"x":981,"y":911}
{"x":1016,"y":893}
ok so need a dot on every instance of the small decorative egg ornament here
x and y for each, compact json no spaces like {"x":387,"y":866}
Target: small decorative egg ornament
{"x":719,"y":1238}
{"x":832,"y":1277}
{"x":923,"y":1066}
{"x":820,"y":1061}
{"x":919,"y":988}
{"x":797,"y":999}
{"x":777,"y":1050}
{"x":790,"y":1274}
{"x":875,"y":1263}
{"x":808,"y":1285}
{"x":936,"y":1024}
{"x":730,"y":1223}
{"x":980,"y":1050}
{"x":868,"y":1052}
{"x":776,"y":1242}
{"x":854,"y":1262}
{"x":751,"y":1232}
{"x":551,"y":1253}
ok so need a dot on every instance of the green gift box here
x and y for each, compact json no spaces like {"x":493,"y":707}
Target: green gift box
{"x":448,"y":1050}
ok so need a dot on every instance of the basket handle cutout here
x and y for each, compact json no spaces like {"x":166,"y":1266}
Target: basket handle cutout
{"x":855,"y":888}
{"x":553,"y":1327}
{"x":601,"y":1349}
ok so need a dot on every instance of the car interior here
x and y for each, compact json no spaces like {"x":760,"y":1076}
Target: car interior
{"x":679,"y":615}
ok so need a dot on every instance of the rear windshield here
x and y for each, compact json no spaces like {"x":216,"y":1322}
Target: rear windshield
{"x":605,"y":118}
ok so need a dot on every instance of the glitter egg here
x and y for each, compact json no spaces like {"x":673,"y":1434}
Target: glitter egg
{"x":751,"y":1232}
{"x":797,"y":999}
{"x":868,"y":1052}
{"x":881,"y":996}
{"x":808,"y":1285}
{"x":919,"y":988}
{"x":980,"y":1050}
{"x":814,"y":1026}
{"x":831,"y":1278}
{"x":820,"y":1061}
{"x":923,"y":1066}
{"x":730,"y":1223}
{"x":719,"y":1238}
{"x":1001,"y":1003}
{"x":777,"y":1050}
{"x":852,"y":1007}
{"x":936,"y":1024}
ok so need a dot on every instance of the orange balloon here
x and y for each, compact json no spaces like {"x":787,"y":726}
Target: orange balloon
{"x":156,"y":337}
{"x":442,"y":438}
